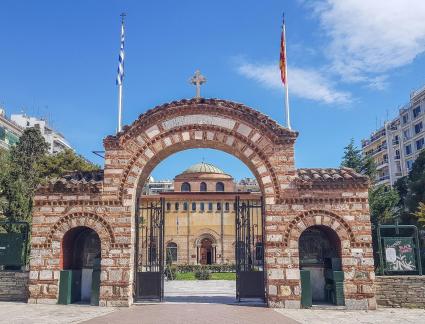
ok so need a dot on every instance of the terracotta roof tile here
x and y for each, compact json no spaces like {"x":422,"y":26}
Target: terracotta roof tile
{"x":330,"y":175}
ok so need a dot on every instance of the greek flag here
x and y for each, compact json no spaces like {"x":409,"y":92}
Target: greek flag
{"x":120,"y":75}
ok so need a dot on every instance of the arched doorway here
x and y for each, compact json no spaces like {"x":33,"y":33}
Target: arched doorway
{"x":80,"y":275}
{"x":320,"y":253}
{"x":206,"y":252}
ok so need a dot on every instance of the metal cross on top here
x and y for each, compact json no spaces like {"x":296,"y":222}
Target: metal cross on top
{"x":198,"y":79}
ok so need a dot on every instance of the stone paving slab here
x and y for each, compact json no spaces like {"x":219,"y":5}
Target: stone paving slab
{"x":193,"y":314}
{"x":382,"y":315}
{"x":22,"y":313}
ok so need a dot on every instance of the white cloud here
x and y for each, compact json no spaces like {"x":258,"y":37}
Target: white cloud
{"x":303,"y":83}
{"x":368,"y":38}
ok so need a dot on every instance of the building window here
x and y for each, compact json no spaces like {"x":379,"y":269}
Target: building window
{"x":210,"y":206}
{"x":408,"y":149}
{"x":397,"y":154}
{"x":219,"y":186}
{"x":203,"y":187}
{"x":405,"y":118}
{"x":420,"y":144}
{"x":202,"y":206}
{"x":168,"y":206}
{"x":416,"y":111}
{"x":406,"y":134}
{"x":227,"y":206}
{"x":409,"y":164}
{"x":418,"y":128}
{"x":176,"y":206}
{"x":185,"y":187}
{"x":218,"y":206}
{"x":171,"y":252}
{"x":193,"y":206}
{"x":185,"y":206}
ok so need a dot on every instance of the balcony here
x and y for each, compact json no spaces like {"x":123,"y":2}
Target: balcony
{"x":396,"y":142}
{"x":381,"y":164}
{"x":382,"y":179}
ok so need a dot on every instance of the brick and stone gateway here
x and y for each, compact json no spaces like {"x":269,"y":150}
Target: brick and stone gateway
{"x":295,"y":200}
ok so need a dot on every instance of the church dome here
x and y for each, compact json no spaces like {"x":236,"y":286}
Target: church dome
{"x":203,"y":168}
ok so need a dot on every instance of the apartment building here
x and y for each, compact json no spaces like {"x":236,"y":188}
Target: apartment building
{"x":395,"y":146}
{"x":57,"y":142}
{"x":9,"y":131}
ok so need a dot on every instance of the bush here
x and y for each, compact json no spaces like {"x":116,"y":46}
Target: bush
{"x":203,"y":274}
{"x":171,"y":272}
{"x":184,"y":268}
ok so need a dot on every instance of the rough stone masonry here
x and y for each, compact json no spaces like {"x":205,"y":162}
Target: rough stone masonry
{"x":295,"y":200}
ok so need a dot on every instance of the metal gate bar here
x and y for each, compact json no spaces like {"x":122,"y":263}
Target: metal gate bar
{"x":149,"y":265}
{"x":250,"y":280}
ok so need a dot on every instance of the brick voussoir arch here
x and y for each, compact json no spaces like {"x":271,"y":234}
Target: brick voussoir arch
{"x":140,"y":157}
{"x":313,"y":213}
{"x":211,"y":107}
{"x":106,"y":235}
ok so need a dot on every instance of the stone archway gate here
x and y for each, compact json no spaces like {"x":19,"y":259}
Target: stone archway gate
{"x":294,"y":200}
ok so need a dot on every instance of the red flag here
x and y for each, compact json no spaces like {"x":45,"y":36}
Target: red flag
{"x":283,"y":55}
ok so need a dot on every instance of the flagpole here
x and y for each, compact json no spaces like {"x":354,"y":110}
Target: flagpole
{"x":288,"y":119}
{"x":119,"y":107}
{"x":120,"y":76}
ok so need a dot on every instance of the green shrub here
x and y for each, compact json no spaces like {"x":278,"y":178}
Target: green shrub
{"x":203,"y":274}
{"x":171,"y":272}
{"x":185,"y":268}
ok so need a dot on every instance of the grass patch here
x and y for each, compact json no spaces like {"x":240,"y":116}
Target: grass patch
{"x":214,"y":276}
{"x":223,"y":276}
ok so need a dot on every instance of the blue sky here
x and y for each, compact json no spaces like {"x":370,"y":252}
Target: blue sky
{"x":351,"y":63}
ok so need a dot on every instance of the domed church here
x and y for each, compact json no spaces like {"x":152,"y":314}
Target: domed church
{"x":200,"y":216}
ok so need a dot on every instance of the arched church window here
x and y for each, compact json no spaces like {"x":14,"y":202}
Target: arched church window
{"x":185,"y":187}
{"x":227,"y":206}
{"x":171,"y":252}
{"x":193,"y":206}
{"x":210,"y":206}
{"x":168,"y":206}
{"x":176,"y":206}
{"x":202,"y":206}
{"x":218,"y":206}
{"x":203,"y":187}
{"x":185,"y":206}
{"x":219,"y":186}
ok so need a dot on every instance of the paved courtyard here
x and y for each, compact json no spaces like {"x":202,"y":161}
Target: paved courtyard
{"x":198,"y":302}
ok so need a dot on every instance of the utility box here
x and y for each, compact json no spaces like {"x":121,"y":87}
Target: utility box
{"x":11,"y":249}
{"x":306,"y":291}
{"x":69,"y":286}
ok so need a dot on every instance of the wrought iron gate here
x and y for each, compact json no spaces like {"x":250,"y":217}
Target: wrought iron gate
{"x":249,"y":249}
{"x":150,"y":251}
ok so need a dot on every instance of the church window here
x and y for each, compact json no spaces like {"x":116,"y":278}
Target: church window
{"x":210,"y":206}
{"x":203,"y":187}
{"x":171,"y":252}
{"x":185,"y":187}
{"x":202,"y":206}
{"x":185,"y":206}
{"x":227,"y":206}
{"x":218,"y":206}
{"x":219,"y":186}
{"x":168,"y":206}
{"x":176,"y":206}
{"x":193,"y":206}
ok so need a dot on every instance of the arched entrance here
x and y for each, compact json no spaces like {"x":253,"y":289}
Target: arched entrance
{"x":206,"y":252}
{"x":320,"y":254}
{"x":80,"y":258}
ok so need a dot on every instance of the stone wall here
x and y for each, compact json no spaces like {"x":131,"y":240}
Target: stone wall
{"x":400,"y":291}
{"x":13,"y":286}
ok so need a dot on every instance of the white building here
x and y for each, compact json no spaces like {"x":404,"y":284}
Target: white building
{"x":9,"y":131}
{"x":57,"y":142}
{"x":396,"y":145}
{"x":154,"y":187}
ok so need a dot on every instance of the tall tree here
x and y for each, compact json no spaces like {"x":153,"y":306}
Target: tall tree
{"x":353,"y":159}
{"x":54,"y":166}
{"x":18,"y":185}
